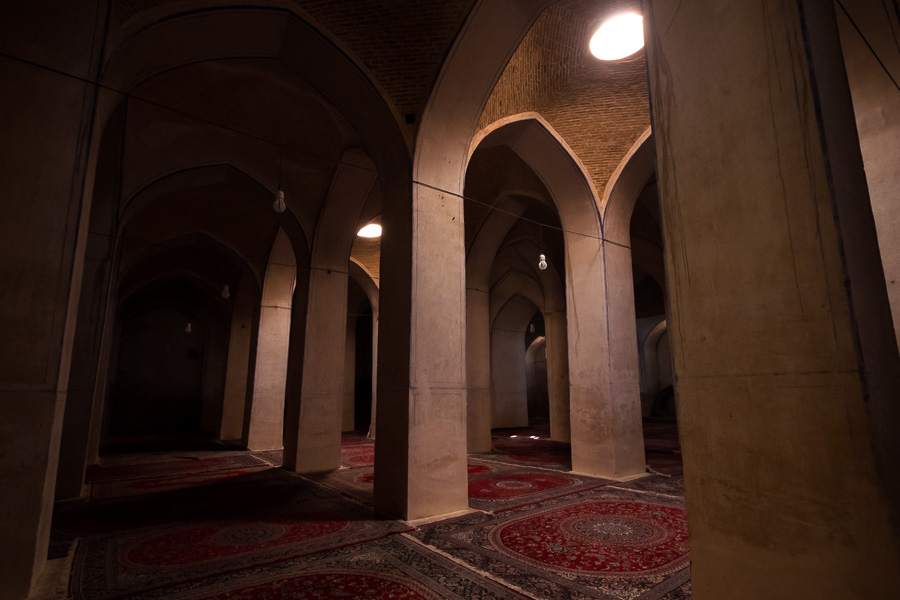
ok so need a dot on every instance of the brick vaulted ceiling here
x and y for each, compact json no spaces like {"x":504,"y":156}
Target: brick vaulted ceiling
{"x":402,"y":43}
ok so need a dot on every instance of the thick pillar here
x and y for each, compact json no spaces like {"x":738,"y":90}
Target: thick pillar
{"x":781,"y":335}
{"x":237,"y":371}
{"x":317,"y":446}
{"x":509,"y":397}
{"x":420,"y":456}
{"x":478,"y":370}
{"x":420,"y":453}
{"x":371,"y":434}
{"x":319,"y":426}
{"x":84,"y":385}
{"x":348,"y":390}
{"x":557,"y":374}
{"x":605,"y":426}
{"x":46,"y":118}
{"x":264,"y":430}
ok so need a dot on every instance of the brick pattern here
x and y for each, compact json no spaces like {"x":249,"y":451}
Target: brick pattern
{"x":402,"y":42}
{"x":599,"y":108}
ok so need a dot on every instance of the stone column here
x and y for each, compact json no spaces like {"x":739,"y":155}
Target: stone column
{"x":47,"y":119}
{"x":557,"y":374}
{"x":781,"y":335}
{"x":237,"y":373}
{"x":84,"y":385}
{"x":264,"y":430}
{"x":509,"y":402}
{"x":348,"y":403}
{"x":318,"y":446}
{"x":371,"y":434}
{"x":420,"y":455}
{"x":478,"y":370}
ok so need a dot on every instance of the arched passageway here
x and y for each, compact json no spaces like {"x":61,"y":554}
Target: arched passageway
{"x":142,"y":123}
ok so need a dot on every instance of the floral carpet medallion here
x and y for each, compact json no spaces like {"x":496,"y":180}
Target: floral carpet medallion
{"x":509,"y":486}
{"x":358,"y":455}
{"x":515,"y":485}
{"x":603,"y":537}
{"x":600,"y":543}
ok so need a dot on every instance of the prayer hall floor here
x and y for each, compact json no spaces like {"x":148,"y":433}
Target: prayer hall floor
{"x":230,"y":524}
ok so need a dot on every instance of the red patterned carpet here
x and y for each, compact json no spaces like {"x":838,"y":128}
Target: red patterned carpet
{"x":601,"y":543}
{"x":249,"y":521}
{"x":131,"y":487}
{"x":493,"y":486}
{"x":195,"y":528}
{"x":173,"y":465}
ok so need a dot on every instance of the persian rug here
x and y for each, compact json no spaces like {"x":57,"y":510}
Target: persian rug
{"x":505,"y":486}
{"x":387,"y":569}
{"x":657,"y":484}
{"x":359,"y":482}
{"x":233,"y":533}
{"x":660,"y":435}
{"x":131,"y":487}
{"x":601,"y":543}
{"x":174,"y":465}
{"x":273,"y":457}
{"x":669,"y":464}
{"x":359,"y":454}
{"x":492,"y":486}
{"x":548,"y":456}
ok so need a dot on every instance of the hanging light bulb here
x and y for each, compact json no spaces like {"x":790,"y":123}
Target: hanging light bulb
{"x":279,"y":206}
{"x":542,"y":262}
{"x":531,"y":328}
{"x":226,"y":293}
{"x":188,"y":328}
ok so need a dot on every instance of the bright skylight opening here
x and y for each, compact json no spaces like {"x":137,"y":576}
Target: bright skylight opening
{"x":372,"y":230}
{"x":620,"y":36}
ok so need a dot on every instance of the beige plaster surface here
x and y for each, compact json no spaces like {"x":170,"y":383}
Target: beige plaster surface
{"x":264,"y":430}
{"x":773,"y":308}
{"x":321,"y":398}
{"x":876,"y":103}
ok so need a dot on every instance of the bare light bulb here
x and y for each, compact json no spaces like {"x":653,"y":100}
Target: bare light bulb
{"x":531,"y":328}
{"x":542,"y":262}
{"x":372,"y":230}
{"x":279,"y":206}
{"x":226,"y":293}
{"x":620,"y":36}
{"x":188,"y":328}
